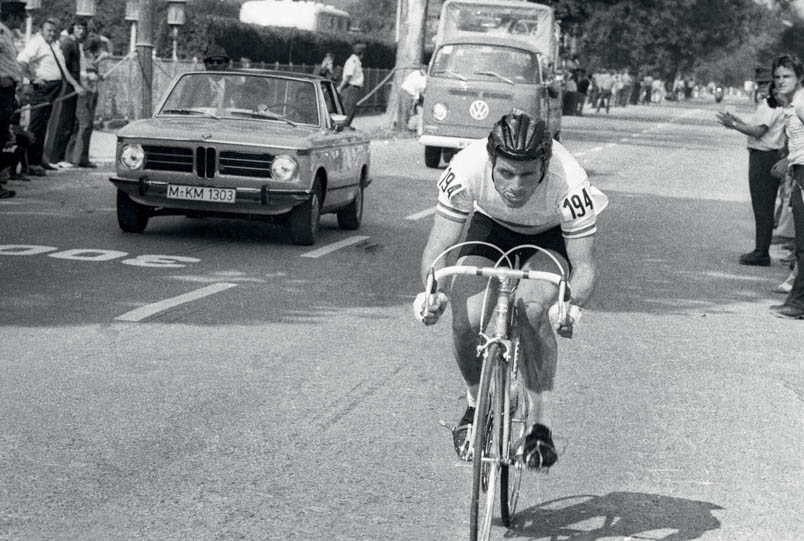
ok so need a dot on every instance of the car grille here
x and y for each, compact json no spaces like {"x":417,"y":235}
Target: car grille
{"x":168,"y":158}
{"x":205,"y":162}
{"x":245,"y":164}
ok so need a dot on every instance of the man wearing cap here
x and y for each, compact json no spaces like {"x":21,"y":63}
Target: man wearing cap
{"x":12,"y":15}
{"x":352,"y":81}
{"x":218,"y":92}
{"x":43,"y":63}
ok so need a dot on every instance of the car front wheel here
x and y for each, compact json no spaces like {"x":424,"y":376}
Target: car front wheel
{"x":131,"y":216}
{"x":305,"y":218}
{"x":351,"y":217}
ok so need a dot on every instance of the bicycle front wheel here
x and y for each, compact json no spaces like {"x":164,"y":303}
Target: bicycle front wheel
{"x":511,"y":474}
{"x":486,"y":460}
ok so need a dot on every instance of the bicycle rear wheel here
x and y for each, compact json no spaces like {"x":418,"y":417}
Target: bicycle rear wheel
{"x":487,"y":445}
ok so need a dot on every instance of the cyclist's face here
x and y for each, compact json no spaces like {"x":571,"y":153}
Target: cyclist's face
{"x":516,"y":181}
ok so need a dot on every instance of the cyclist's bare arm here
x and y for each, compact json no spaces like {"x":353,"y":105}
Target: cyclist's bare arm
{"x":581,"y":253}
{"x":444,"y":234}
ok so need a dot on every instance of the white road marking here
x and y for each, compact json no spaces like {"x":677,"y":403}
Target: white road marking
{"x":36,"y":213}
{"x":422,"y":214}
{"x":596,"y":149}
{"x":149,"y":310}
{"x":324,"y":250}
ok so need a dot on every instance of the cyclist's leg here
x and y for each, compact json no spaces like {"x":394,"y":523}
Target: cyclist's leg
{"x":537,"y":339}
{"x":466,"y":300}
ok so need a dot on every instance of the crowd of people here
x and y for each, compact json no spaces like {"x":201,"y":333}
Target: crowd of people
{"x":775,"y":141}
{"x":54,"y":74}
{"x":605,"y":88}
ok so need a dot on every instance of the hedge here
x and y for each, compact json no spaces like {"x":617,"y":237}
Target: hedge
{"x":271,"y":44}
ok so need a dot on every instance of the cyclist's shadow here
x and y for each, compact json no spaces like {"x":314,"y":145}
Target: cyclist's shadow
{"x":617,"y":514}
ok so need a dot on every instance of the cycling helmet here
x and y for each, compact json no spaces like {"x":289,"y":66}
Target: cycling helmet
{"x":517,"y":136}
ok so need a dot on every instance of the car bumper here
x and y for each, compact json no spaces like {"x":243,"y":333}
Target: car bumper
{"x":445,"y":141}
{"x":248,"y":200}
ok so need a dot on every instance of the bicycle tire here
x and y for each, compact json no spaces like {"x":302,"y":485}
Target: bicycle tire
{"x":511,"y":474}
{"x":487,"y":446}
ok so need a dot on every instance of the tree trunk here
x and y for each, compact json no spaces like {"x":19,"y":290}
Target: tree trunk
{"x":409,"y":54}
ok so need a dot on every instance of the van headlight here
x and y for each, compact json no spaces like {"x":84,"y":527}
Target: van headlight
{"x":132,"y":156}
{"x":284,"y":168}
{"x":440,"y":111}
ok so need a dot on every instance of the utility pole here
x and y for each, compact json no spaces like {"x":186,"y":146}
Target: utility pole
{"x":145,"y":47}
{"x":409,"y":54}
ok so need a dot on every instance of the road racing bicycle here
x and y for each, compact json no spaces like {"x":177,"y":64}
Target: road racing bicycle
{"x":497,"y":437}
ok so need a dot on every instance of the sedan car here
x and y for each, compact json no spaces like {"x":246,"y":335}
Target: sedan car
{"x":253,"y":144}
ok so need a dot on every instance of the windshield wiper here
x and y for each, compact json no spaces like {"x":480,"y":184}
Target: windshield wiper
{"x":188,"y":112}
{"x":266,"y":115}
{"x":497,"y":75}
{"x":448,"y":72}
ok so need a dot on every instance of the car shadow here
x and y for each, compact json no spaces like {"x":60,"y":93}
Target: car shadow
{"x":617,"y":514}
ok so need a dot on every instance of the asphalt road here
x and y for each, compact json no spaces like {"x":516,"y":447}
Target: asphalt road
{"x":239,"y":387}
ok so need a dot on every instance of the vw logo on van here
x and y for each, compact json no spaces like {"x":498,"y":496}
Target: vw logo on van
{"x":479,"y":109}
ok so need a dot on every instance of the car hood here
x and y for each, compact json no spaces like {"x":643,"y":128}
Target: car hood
{"x":210,"y":130}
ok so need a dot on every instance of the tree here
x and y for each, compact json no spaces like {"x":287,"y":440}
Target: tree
{"x":664,"y":36}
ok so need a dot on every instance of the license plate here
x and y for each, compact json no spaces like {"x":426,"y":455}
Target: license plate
{"x":198,"y":193}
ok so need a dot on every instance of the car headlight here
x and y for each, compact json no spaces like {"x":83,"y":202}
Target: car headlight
{"x":440,"y":111}
{"x":284,"y":168}
{"x":132,"y":156}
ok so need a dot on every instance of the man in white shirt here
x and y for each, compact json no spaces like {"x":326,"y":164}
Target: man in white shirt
{"x":43,"y":63}
{"x":352,"y":81}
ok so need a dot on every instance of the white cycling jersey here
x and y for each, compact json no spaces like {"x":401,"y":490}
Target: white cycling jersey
{"x":564,"y":197}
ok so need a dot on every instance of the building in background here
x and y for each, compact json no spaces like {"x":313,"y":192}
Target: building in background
{"x":312,"y":16}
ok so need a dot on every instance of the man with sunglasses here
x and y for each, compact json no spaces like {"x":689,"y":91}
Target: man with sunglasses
{"x":218,"y":91}
{"x":516,"y":187}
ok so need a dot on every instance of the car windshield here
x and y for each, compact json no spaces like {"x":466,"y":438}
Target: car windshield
{"x":485,"y":62}
{"x":243,"y":95}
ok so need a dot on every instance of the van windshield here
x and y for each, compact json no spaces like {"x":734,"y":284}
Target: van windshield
{"x":476,"y":62}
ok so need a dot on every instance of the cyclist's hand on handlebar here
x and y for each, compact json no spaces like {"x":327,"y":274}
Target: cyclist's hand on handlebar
{"x":564,"y":328}
{"x":427,"y":308}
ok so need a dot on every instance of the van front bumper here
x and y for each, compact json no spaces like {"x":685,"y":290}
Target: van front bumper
{"x":444,"y":141}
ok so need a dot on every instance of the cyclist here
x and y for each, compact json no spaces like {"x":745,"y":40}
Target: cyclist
{"x":519,"y":187}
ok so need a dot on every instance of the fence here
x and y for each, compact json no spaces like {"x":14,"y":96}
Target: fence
{"x":120,"y":94}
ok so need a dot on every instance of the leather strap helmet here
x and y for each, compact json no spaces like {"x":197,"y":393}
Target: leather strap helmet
{"x":517,"y":136}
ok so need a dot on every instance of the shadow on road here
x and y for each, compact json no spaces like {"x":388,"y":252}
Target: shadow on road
{"x":617,"y":514}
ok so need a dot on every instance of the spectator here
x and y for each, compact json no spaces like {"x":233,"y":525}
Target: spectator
{"x":245,"y":62}
{"x":352,"y":79}
{"x":43,"y":64}
{"x":327,"y":67}
{"x":583,"y":89}
{"x":77,"y":152}
{"x":624,"y":88}
{"x":788,"y":74}
{"x":414,"y":85}
{"x":570,"y":104}
{"x":765,"y":144}
{"x":647,"y":87}
{"x":72,"y":49}
{"x":605,"y":83}
{"x":12,"y":15}
{"x":21,"y":138}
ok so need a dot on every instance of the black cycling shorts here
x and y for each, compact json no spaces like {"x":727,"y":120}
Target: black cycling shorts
{"x":483,"y":228}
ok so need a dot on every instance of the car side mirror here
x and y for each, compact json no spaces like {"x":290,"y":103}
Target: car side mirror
{"x":340,"y":122}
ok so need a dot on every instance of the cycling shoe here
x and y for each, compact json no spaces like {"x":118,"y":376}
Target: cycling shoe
{"x":538,"y":450}
{"x":460,"y":435}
